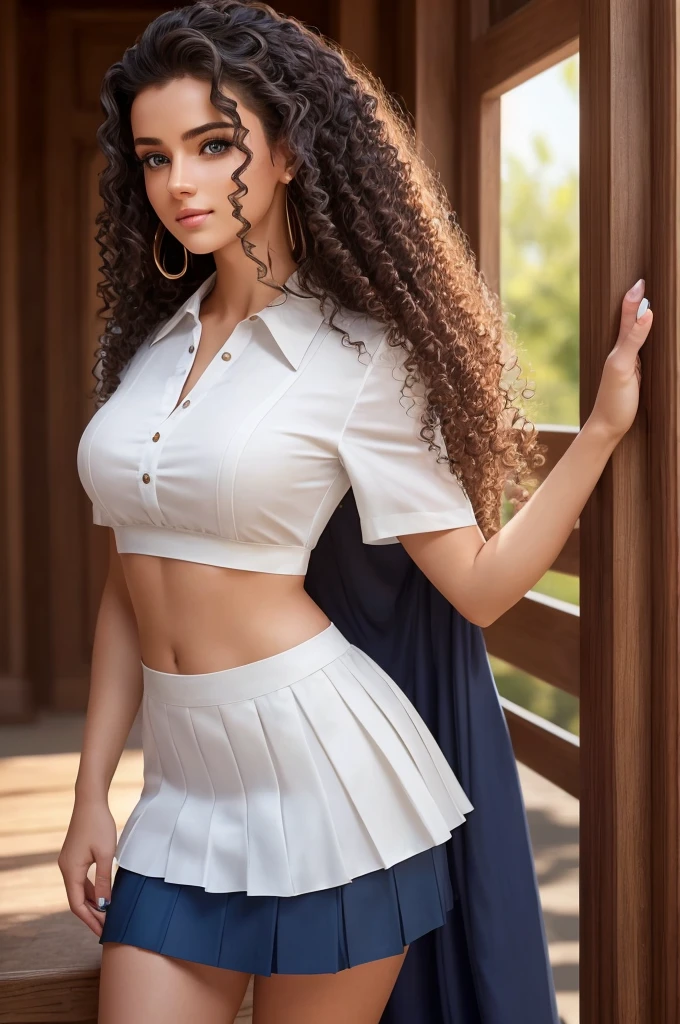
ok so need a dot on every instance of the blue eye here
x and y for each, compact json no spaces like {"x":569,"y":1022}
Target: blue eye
{"x":209,"y":142}
{"x":152,"y":156}
{"x":219,"y":142}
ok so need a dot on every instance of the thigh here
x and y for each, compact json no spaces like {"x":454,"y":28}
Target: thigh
{"x":358,"y":994}
{"x":138,"y":986}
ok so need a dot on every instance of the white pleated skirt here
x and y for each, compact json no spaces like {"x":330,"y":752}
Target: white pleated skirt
{"x":287,"y":775}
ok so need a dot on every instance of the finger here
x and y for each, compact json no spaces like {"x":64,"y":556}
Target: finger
{"x":631,"y":304}
{"x":75,"y":894}
{"x":629,"y":344}
{"x":91,"y":900}
{"x":102,"y":879}
{"x":642,"y":310}
{"x":89,"y":891}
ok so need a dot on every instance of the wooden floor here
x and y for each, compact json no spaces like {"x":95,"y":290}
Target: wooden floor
{"x":38,"y":765}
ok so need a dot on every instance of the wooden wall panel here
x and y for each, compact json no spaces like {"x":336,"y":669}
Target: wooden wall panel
{"x":410,"y":45}
{"x":357,"y":25}
{"x":476,"y":187}
{"x":16,"y":690}
{"x":435,"y":80}
{"x":501,"y":9}
{"x":31,"y":268}
{"x":81,"y":47}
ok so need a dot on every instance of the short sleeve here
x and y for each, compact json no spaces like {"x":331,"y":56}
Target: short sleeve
{"x":398,"y":484}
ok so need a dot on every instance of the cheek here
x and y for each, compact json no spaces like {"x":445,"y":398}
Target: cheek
{"x":157,"y":194}
{"x":258,"y":178}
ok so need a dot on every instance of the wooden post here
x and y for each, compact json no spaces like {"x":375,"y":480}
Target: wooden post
{"x":629,"y":529}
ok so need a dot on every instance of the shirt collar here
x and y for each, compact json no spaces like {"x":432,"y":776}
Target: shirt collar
{"x":292,"y":321}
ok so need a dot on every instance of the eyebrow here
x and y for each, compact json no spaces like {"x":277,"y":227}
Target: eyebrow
{"x":191,"y":134}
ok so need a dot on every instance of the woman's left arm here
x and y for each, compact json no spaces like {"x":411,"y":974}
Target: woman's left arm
{"x":482,"y":579}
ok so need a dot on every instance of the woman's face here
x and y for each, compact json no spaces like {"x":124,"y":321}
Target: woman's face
{"x":189,"y":166}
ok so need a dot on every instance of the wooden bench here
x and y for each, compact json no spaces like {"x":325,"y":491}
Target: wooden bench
{"x":49,"y":959}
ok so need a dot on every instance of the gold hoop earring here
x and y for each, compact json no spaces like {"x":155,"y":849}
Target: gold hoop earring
{"x":157,"y":239}
{"x":301,"y":234}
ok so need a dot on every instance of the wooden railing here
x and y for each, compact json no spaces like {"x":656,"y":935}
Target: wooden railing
{"x":540,"y":635}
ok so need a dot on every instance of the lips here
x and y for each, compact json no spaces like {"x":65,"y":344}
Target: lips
{"x":191,"y":218}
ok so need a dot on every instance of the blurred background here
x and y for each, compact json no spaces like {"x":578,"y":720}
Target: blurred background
{"x":539,"y":221}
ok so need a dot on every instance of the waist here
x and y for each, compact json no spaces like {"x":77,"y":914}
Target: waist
{"x":199,"y":618}
{"x":253,"y":679}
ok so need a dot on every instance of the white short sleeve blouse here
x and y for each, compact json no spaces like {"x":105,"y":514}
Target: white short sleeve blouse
{"x":247,"y":470}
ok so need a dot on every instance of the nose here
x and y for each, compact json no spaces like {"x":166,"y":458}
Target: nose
{"x":178,"y":183}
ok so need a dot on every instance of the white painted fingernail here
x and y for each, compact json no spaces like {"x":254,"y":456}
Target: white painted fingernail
{"x":642,"y":308}
{"x":637,"y":291}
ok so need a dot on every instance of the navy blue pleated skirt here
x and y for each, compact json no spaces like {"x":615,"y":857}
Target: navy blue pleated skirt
{"x":322,"y":932}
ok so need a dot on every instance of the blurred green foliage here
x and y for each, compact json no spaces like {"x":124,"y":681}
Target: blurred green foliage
{"x":540,"y":294}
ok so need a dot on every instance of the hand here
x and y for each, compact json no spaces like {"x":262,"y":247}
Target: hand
{"x":90,"y":839}
{"x":619,"y":392}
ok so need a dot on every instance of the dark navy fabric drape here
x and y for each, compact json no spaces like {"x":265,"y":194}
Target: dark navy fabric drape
{"x":489,"y":964}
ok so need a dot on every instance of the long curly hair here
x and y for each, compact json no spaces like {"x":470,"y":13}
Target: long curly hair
{"x":380,"y":237}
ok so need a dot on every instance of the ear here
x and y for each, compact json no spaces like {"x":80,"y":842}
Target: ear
{"x":290,"y":164}
{"x":294,"y":166}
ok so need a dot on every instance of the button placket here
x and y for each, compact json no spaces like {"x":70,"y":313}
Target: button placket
{"x":168,"y":422}
{"x":152,"y":450}
{"x":182,"y":370}
{"x":212,"y":374}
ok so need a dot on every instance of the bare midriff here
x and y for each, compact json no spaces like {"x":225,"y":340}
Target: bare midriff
{"x":193,"y":617}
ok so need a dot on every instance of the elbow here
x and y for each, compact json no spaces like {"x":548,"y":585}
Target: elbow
{"x":482,"y":617}
{"x":481,"y":605}
{"x":478,"y":612}
{"x":484,"y":623}
{"x":472,"y":615}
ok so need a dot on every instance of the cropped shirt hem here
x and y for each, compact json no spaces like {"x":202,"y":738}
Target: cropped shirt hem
{"x":191,"y":546}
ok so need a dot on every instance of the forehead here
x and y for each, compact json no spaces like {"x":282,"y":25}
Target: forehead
{"x":182,"y":103}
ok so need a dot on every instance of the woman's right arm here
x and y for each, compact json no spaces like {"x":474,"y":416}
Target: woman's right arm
{"x":114,"y":698}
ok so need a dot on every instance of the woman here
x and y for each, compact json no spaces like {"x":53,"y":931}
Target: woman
{"x":280,"y":269}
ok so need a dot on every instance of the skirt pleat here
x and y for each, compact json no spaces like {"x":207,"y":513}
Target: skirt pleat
{"x":423,"y":745}
{"x":323,"y":932}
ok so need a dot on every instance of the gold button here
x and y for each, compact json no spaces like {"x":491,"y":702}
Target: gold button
{"x":253,"y":317}
{"x":185,"y":404}
{"x":226,"y":356}
{"x":191,"y":348}
{"x":146,"y":478}
{"x":155,"y":436}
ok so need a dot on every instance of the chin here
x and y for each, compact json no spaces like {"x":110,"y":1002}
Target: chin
{"x":200,"y":247}
{"x":201,"y":243}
